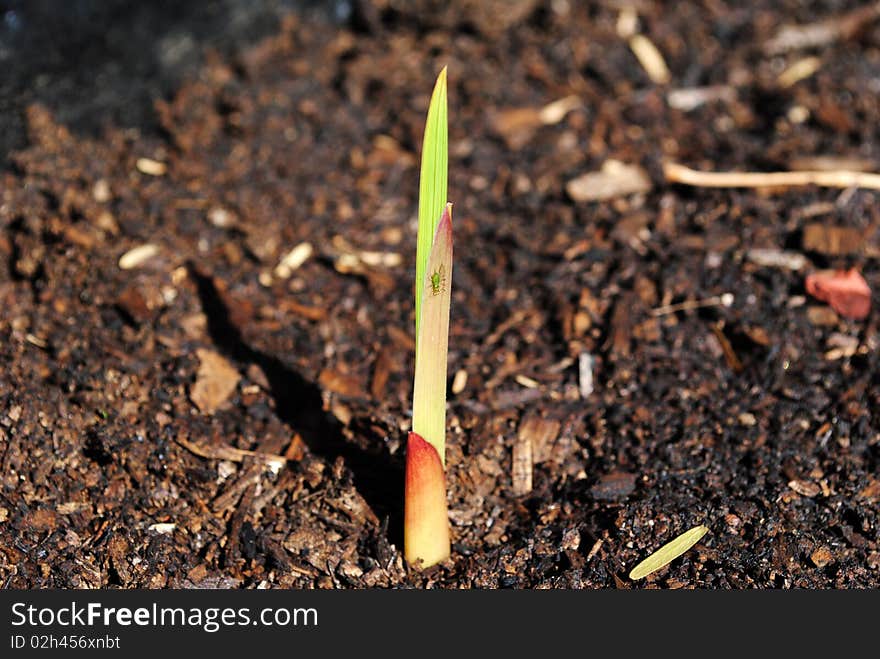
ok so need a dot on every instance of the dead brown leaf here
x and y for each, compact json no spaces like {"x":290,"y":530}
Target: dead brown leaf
{"x":216,"y":380}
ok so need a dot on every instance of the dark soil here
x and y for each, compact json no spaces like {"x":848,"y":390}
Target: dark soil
{"x":129,"y":451}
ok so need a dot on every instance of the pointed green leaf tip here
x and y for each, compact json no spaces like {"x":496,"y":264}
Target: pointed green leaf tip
{"x":432,"y":183}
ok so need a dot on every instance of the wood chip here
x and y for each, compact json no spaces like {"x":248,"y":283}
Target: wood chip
{"x":571,"y":540}
{"x":758,"y":335}
{"x":690,"y":98}
{"x":380,"y":259}
{"x":228,"y":499}
{"x":620,"y":336}
{"x":842,"y":346}
{"x":216,"y":380}
{"x":798,"y":71}
{"x":822,"y":557}
{"x":340,"y":383}
{"x":402,"y":339}
{"x":614,"y":179}
{"x":822,"y":316}
{"x":222,"y":218}
{"x":41,"y":520}
{"x":516,"y":126}
{"x":650,"y":58}
{"x":35,"y":340}
{"x":777,"y":258}
{"x":822,"y":33}
{"x":151,"y":167}
{"x":242,"y":510}
{"x":554,"y":112}
{"x":668,"y":552}
{"x":522,"y":466}
{"x":72,"y":507}
{"x":492,"y":18}
{"x":296,"y":450}
{"x":871,"y":492}
{"x":832,"y":240}
{"x":163,"y":528}
{"x":101,"y":191}
{"x":541,"y":434}
{"x":586,"y":361}
{"x":140,"y":302}
{"x":297,"y":309}
{"x":381,"y":371}
{"x":137,"y":256}
{"x":197,"y":573}
{"x":372,"y":265}
{"x":293,"y":260}
{"x":505,"y":399}
{"x":459,"y":382}
{"x":627,"y":22}
{"x":747,"y":419}
{"x":526,"y":381}
{"x":82,"y":237}
{"x":805,"y":488}
{"x":632,"y":230}
{"x":614,"y":486}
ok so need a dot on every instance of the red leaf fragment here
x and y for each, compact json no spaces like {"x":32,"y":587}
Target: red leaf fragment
{"x":845,"y":290}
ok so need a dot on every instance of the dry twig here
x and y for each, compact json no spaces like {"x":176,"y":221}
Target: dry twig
{"x":823,"y":33}
{"x":676,"y":173}
{"x":222,"y":452}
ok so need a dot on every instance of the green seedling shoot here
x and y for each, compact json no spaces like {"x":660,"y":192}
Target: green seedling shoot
{"x":426,"y":523}
{"x":432,"y":184}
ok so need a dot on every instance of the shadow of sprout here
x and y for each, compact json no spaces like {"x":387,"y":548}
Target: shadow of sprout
{"x":377,"y":475}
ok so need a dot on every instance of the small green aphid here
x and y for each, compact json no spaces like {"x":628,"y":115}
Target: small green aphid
{"x":437,"y":281}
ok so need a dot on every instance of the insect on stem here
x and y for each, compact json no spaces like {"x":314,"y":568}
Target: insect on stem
{"x":437,"y":281}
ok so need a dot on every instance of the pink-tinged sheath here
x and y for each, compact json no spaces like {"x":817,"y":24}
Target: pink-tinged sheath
{"x":426,"y":524}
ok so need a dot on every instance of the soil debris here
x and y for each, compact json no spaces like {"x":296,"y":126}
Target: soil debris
{"x":216,"y":380}
{"x":832,"y":240}
{"x":137,"y":256}
{"x":845,"y":290}
{"x":614,"y":179}
{"x":615,"y":486}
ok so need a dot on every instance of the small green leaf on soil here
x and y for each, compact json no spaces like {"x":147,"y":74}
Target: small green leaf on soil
{"x":668,"y":552}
